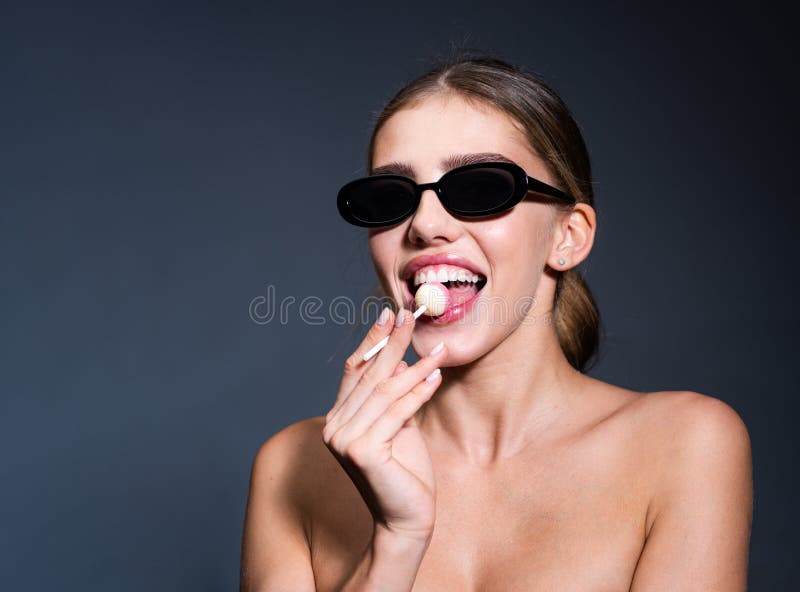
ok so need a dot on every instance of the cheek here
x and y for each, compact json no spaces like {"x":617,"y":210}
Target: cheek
{"x":382,"y":251}
{"x":516,"y":248}
{"x":514,"y":238}
{"x":379,"y":250}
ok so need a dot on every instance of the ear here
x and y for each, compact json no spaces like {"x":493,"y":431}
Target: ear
{"x":573,"y":237}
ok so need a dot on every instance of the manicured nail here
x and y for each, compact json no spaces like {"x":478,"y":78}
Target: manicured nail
{"x":437,"y":348}
{"x":384,"y":316}
{"x":400,"y":317}
{"x":432,"y":376}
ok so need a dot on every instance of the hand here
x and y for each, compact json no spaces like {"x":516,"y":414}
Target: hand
{"x":372,"y":431}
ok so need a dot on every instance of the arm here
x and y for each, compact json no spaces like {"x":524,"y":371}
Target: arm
{"x":389,"y":564}
{"x":275,"y":553}
{"x":703,"y":506}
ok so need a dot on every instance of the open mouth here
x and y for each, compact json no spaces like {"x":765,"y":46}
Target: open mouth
{"x":462,"y":284}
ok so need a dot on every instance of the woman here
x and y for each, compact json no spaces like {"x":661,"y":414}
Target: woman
{"x":494,"y":462}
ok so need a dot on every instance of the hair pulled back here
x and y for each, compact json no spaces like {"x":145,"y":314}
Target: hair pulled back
{"x":554,"y":136}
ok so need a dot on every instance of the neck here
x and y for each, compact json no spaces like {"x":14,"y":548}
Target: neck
{"x":492,"y":408}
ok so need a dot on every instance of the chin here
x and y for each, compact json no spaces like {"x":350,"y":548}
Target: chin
{"x":459,"y":351}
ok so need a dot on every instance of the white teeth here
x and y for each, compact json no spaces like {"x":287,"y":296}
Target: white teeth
{"x":445,"y":275}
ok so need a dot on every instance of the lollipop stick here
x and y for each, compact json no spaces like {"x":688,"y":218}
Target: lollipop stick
{"x":382,"y":343}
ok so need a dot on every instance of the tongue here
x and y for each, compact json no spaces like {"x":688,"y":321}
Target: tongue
{"x":461,"y":294}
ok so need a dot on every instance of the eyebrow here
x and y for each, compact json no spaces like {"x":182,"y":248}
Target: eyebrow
{"x":451,"y":162}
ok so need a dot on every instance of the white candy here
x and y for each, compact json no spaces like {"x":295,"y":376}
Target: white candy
{"x":434,"y":296}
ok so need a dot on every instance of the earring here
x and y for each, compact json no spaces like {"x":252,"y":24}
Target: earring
{"x":561,"y":261}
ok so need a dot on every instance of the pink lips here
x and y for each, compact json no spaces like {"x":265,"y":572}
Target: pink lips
{"x":416,"y":263}
{"x":455,"y":312}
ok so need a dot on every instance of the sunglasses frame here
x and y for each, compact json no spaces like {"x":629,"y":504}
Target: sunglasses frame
{"x":523,"y":185}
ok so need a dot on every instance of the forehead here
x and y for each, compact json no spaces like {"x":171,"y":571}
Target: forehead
{"x":423,"y":136}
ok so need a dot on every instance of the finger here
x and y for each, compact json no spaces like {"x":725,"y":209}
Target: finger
{"x":401,"y":367}
{"x":380,"y":367}
{"x":392,"y":354}
{"x":386,"y":427}
{"x":390,"y":390}
{"x":355,"y":365}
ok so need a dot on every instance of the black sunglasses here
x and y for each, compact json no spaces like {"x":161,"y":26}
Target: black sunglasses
{"x":471,"y":191}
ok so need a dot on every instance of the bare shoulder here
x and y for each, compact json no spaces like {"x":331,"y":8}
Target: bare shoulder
{"x":694,"y":438}
{"x":699,"y":515}
{"x":295,"y":434}
{"x":682,"y":421}
{"x":276,"y":550}
{"x":291,"y":455}
{"x":293,"y":443}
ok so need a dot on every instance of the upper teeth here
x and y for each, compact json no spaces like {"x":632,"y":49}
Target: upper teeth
{"x":444,"y":274}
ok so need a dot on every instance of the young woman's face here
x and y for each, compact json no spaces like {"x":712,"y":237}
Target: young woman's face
{"x":510,"y":249}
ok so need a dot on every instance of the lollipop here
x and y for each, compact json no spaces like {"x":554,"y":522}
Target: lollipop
{"x":434,"y":296}
{"x":431,"y":298}
{"x":382,"y":343}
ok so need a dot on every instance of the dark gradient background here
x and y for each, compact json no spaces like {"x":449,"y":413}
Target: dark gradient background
{"x":163,"y":164}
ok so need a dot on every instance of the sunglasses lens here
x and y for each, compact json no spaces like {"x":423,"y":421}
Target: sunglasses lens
{"x":377,"y":200}
{"x":478,"y":191}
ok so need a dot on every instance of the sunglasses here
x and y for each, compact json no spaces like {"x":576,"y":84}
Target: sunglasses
{"x":470,"y":191}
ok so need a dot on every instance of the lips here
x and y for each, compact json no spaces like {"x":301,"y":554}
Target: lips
{"x":461,"y":302}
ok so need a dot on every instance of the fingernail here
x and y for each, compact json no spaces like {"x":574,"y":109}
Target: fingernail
{"x":437,"y":348}
{"x":384,"y":316}
{"x":432,"y":376}
{"x":400,"y":317}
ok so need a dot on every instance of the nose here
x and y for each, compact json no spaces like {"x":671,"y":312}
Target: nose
{"x":431,"y":221}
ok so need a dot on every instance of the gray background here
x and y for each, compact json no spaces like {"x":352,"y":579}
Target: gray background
{"x":162,"y":165}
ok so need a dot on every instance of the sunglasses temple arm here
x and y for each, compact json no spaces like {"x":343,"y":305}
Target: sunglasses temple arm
{"x":536,"y":186}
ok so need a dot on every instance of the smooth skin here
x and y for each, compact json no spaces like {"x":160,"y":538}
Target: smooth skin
{"x":396,"y":479}
{"x":514,"y":470}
